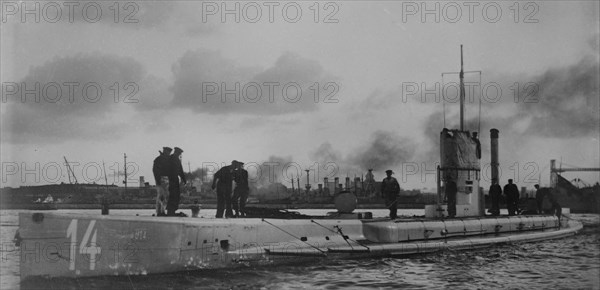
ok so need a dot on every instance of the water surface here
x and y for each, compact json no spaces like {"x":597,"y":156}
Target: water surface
{"x":568,"y":263}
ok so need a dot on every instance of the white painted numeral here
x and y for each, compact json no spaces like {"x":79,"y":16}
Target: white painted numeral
{"x":91,"y":250}
{"x":72,"y":233}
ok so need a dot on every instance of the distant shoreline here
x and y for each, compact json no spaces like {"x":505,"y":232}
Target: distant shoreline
{"x":204,"y":206}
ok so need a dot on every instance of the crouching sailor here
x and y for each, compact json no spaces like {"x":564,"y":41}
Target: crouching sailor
{"x":390,"y":188}
{"x":222,"y":181}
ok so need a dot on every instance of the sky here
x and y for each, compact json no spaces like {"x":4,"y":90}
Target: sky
{"x":333,"y":87}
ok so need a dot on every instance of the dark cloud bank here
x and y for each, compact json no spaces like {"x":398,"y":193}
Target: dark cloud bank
{"x":73,"y":97}
{"x":206,"y":82}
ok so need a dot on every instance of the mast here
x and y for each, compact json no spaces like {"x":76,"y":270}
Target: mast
{"x":70,"y":172}
{"x":68,"y":169}
{"x":125,"y":170}
{"x":462,"y":91}
{"x":105,"y":177}
{"x":104,"y":203}
{"x":307,"y":182}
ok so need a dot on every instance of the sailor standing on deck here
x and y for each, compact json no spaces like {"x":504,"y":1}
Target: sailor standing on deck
{"x":540,"y":193}
{"x":160,"y":169}
{"x":478,"y":145}
{"x":495,"y":193}
{"x":390,"y":188}
{"x":175,"y":171}
{"x":451,"y":190}
{"x":222,"y":181}
{"x":556,"y":208}
{"x":240,"y":193}
{"x":512,"y":197}
{"x":370,"y":181}
{"x":161,"y":164}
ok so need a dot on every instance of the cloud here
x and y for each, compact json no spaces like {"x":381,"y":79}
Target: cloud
{"x":69,"y":98}
{"x":154,"y":94}
{"x":272,"y":170}
{"x":326,"y":153}
{"x":559,"y":103}
{"x":173,"y":17}
{"x":383,"y":150}
{"x":206,"y":82}
{"x":568,"y":105}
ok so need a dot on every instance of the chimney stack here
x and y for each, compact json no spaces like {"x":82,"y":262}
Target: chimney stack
{"x":494,"y":153}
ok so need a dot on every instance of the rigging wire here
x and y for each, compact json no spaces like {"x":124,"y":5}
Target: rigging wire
{"x":322,"y":252}
{"x":346,"y":238}
{"x":479,"y":121}
{"x":443,"y":102}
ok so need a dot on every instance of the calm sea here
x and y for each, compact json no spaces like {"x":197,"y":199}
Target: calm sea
{"x":568,"y":263}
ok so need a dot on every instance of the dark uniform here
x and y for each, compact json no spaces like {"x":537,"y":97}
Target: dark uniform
{"x":241,"y":191}
{"x":556,"y":208}
{"x":160,"y":166}
{"x":478,"y":145}
{"x":451,"y":190}
{"x":222,"y":180}
{"x":540,"y":194}
{"x":495,"y":193}
{"x":390,"y":188}
{"x":160,"y":169}
{"x":512,"y":197}
{"x":175,"y":171}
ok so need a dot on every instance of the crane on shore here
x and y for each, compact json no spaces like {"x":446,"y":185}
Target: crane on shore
{"x":555,"y":171}
{"x":70,"y":172}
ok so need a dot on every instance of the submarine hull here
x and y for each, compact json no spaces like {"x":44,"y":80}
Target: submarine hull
{"x":75,"y":245}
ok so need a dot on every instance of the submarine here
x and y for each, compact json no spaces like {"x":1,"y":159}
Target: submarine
{"x":55,"y":244}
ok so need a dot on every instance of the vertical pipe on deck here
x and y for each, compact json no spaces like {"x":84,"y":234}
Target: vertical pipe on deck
{"x":553,"y":173}
{"x":494,"y":153}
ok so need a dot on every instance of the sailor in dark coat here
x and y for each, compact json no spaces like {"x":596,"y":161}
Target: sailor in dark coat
{"x":495,"y":193}
{"x":222,"y":180}
{"x":241,"y":191}
{"x":556,"y":208}
{"x":451,"y":190}
{"x":390,"y":188}
{"x":160,"y":169}
{"x":540,"y":194}
{"x":175,"y":171}
{"x":161,"y":164}
{"x":512,"y":197}
{"x":477,"y":145}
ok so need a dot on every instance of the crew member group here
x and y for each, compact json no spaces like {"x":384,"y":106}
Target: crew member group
{"x":230,"y":182}
{"x":167,"y":170}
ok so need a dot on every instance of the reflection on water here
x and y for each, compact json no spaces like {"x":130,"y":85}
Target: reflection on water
{"x":572,"y":262}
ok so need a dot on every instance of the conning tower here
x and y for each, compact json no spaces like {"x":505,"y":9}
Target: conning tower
{"x":460,"y":153}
